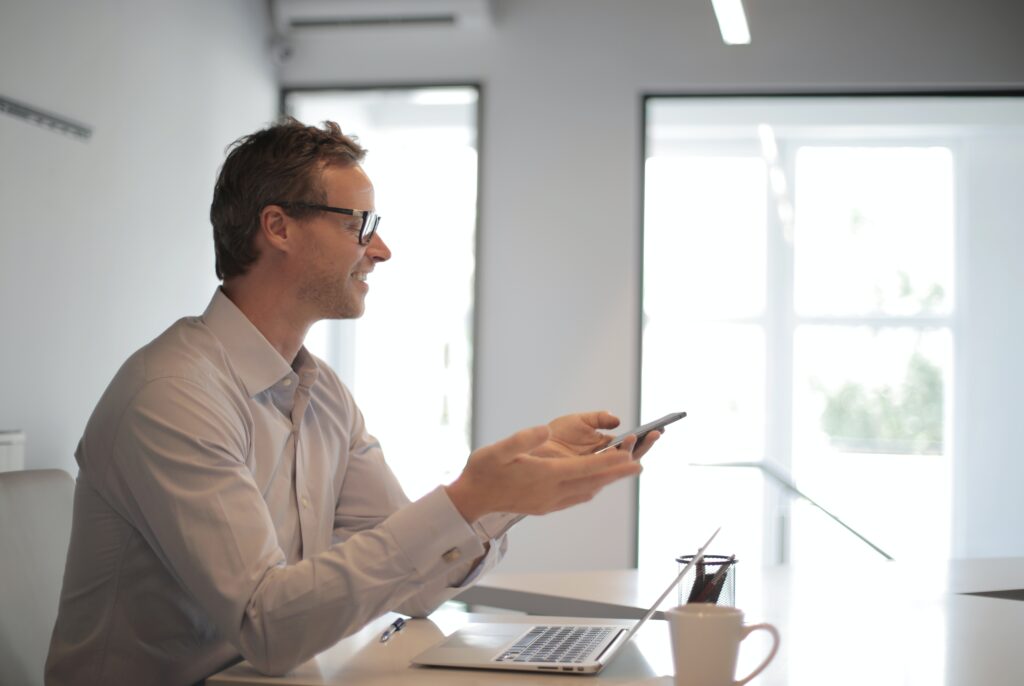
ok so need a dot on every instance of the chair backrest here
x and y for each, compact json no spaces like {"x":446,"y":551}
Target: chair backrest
{"x":35,"y":527}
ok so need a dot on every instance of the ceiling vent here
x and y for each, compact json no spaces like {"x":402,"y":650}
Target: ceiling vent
{"x":291,"y":15}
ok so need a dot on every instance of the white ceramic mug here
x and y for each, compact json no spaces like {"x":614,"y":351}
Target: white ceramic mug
{"x":706,"y":642}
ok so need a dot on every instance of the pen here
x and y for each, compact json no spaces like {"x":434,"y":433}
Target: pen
{"x":699,"y":583}
{"x":392,"y":629}
{"x":714,"y":587}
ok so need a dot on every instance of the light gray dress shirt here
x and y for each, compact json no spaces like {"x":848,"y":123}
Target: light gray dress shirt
{"x":230,"y":505}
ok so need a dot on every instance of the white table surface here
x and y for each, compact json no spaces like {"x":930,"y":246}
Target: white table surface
{"x":362,"y":659}
{"x":627,"y":593}
{"x":876,"y":625}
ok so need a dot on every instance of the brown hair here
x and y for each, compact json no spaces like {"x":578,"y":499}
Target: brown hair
{"x":277,"y":164}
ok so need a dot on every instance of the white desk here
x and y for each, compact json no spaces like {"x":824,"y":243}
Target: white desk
{"x":363,"y":659}
{"x":880,"y":625}
{"x":627,"y":593}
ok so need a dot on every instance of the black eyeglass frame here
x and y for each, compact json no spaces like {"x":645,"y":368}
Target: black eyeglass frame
{"x":367,"y":229}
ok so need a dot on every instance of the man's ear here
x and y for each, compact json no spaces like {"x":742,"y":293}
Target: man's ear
{"x":276,"y":228}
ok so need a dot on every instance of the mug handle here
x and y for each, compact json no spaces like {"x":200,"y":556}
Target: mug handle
{"x":747,"y":630}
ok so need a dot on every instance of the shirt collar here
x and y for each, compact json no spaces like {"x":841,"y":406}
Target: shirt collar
{"x":253,"y":358}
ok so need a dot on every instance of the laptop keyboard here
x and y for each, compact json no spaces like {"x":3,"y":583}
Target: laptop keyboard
{"x":566,"y":644}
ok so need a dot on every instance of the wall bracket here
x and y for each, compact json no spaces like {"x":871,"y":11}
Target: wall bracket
{"x":45,"y":119}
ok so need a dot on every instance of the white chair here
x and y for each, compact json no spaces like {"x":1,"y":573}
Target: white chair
{"x":35,"y":527}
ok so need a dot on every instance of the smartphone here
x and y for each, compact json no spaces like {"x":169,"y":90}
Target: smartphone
{"x":642,"y":431}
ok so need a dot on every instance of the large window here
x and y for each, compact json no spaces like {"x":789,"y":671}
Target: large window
{"x":408,"y":360}
{"x":800,"y":301}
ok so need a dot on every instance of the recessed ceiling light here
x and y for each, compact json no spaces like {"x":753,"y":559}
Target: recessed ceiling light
{"x":732,"y":21}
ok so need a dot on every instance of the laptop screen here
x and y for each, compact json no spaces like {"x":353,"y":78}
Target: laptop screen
{"x":657,"y":603}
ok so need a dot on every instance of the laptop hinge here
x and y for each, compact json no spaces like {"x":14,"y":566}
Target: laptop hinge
{"x":610,"y":644}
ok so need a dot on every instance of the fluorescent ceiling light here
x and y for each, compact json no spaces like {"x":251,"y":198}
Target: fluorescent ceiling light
{"x":732,"y":21}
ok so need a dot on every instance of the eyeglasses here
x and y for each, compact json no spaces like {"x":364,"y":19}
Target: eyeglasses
{"x":369,"y":219}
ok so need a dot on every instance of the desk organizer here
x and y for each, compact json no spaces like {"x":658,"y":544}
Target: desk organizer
{"x":712,"y":580}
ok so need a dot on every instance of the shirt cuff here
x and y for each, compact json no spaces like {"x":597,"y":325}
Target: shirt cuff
{"x":494,"y":555}
{"x":433,"y":535}
{"x":495,"y":525}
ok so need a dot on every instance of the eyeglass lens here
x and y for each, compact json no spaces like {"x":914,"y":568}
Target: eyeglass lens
{"x":370,"y":221}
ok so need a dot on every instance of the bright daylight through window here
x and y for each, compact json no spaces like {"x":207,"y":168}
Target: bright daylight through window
{"x":408,"y":360}
{"x":800,"y":300}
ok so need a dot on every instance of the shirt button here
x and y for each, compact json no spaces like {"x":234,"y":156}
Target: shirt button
{"x":286,"y":383}
{"x":305,"y":501}
{"x":452,"y":555}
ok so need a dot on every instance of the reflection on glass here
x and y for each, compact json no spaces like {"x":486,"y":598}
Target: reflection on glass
{"x":868,"y":427}
{"x":417,"y":331}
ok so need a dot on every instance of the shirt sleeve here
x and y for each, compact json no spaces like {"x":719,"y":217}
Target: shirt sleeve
{"x":178,"y":473}
{"x":371,"y":493}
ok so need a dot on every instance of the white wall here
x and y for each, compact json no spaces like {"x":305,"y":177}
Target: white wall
{"x":104,"y":243}
{"x":989,"y":469}
{"x":559,"y":244}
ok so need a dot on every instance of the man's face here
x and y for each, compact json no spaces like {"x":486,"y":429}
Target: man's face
{"x":334,"y":266}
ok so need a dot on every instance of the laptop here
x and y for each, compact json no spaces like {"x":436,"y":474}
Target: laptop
{"x":576,"y":648}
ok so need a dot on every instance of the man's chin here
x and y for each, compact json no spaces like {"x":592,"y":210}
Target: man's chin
{"x":348,"y":311}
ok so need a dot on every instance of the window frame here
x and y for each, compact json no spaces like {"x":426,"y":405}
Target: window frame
{"x":780,"y":320}
{"x":334,"y":336}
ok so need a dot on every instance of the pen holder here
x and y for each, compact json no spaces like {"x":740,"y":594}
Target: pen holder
{"x":712,"y":580}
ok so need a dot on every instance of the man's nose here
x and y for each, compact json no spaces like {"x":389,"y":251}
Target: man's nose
{"x":378,"y":250}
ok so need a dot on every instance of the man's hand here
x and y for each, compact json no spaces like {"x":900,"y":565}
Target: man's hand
{"x":507,"y":477}
{"x":578,"y":434}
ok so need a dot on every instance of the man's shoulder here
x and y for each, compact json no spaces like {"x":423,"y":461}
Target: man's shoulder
{"x":186,"y":352}
{"x":185,"y":366}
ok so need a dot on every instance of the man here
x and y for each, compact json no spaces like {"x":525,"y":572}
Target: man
{"x":230,"y":503}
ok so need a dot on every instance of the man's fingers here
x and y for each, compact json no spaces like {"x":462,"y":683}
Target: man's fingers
{"x":570,"y":468}
{"x":643,"y":446}
{"x":603,"y":478}
{"x":521,"y":441}
{"x":524,"y":482}
{"x":600,"y":419}
{"x":589,"y":486}
{"x":584,"y":489}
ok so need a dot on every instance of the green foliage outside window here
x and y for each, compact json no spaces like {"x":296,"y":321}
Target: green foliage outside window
{"x":907,"y":420}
